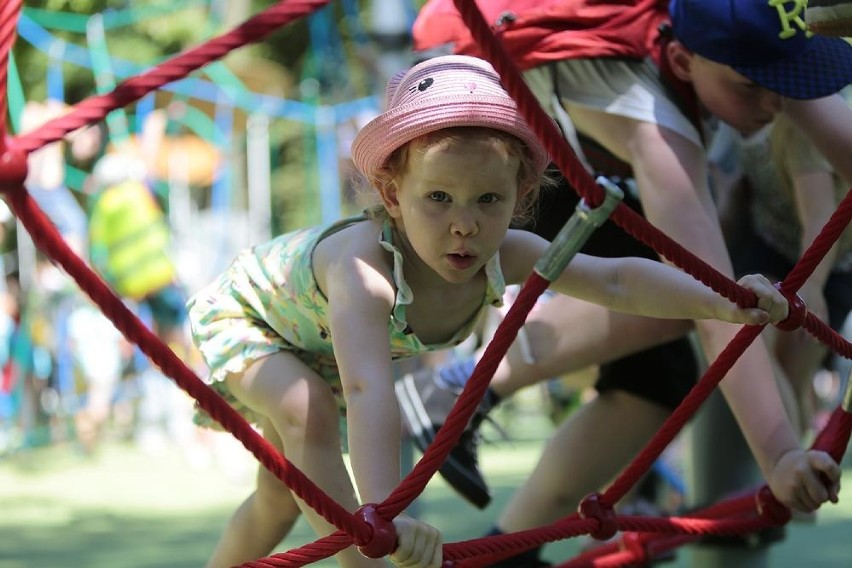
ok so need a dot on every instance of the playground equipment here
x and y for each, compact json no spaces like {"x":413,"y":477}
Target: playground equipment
{"x":370,"y":528}
{"x":214,"y":124}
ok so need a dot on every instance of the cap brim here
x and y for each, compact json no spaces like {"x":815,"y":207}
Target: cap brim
{"x":820,"y":70}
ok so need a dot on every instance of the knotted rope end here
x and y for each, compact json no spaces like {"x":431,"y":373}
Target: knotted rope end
{"x":592,"y":507}
{"x":382,"y":539}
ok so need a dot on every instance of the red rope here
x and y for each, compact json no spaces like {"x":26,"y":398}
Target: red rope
{"x":830,"y":234}
{"x":636,"y":226}
{"x":12,"y":174}
{"x":48,"y":240}
{"x":833,"y":438}
{"x":473,"y":392}
{"x":95,"y":108}
{"x":564,"y":157}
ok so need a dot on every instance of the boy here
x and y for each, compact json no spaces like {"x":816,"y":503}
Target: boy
{"x":629,"y":109}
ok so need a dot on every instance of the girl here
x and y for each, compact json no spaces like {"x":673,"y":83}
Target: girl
{"x":308,"y":323}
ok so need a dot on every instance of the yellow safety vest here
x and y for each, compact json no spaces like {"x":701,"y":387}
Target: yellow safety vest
{"x":129,"y":239}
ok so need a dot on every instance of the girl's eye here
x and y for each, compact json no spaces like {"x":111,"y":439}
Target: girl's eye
{"x":440,"y":196}
{"x":489,"y":198}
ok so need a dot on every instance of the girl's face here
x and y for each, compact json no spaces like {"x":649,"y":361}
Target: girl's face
{"x":732,"y":97}
{"x":454,"y":202}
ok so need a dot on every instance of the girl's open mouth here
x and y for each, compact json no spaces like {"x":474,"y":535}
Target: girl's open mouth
{"x":461,"y":261}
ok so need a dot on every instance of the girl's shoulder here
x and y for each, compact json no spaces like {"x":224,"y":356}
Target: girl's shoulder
{"x":359,"y":239}
{"x":519,"y":253}
{"x":355,"y":245}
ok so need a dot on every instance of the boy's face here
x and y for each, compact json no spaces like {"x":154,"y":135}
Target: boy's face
{"x":732,"y":97}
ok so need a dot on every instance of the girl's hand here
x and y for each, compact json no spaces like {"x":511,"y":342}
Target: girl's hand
{"x":771,"y":306}
{"x":804,"y":480}
{"x":418,"y":545}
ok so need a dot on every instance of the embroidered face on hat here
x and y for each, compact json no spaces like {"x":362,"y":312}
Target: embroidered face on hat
{"x":443,"y":92}
{"x":766,"y":41}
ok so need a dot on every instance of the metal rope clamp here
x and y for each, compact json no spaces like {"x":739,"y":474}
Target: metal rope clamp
{"x":577,"y":231}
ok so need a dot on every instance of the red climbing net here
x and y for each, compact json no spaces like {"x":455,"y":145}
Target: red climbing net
{"x":370,"y":527}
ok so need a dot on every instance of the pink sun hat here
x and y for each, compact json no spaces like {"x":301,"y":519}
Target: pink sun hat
{"x":443,"y":92}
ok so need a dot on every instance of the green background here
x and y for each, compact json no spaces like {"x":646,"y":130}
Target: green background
{"x":129,"y":508}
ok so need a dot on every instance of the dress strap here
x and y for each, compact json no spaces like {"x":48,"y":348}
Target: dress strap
{"x":404,"y":295}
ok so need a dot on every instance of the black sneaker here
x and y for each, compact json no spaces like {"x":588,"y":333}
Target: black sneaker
{"x":425,"y":400}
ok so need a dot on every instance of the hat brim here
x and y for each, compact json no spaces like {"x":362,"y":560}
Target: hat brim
{"x":820,"y":70}
{"x":376,"y":141}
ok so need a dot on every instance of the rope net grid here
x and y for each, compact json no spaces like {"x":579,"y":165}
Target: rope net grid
{"x":369,"y":528}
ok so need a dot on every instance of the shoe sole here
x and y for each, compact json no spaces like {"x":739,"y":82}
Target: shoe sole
{"x":830,"y":20}
{"x":422,"y":434}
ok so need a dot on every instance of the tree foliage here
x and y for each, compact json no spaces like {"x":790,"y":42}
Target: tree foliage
{"x":286,"y":64}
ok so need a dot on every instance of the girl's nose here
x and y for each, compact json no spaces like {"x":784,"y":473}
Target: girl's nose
{"x":464,"y":224}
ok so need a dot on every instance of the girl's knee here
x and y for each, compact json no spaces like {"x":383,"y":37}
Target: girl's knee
{"x":314,"y":410}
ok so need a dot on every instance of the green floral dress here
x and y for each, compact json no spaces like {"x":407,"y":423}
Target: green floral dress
{"x":268,"y":300}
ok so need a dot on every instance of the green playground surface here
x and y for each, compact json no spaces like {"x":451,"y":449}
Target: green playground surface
{"x":131,"y":509}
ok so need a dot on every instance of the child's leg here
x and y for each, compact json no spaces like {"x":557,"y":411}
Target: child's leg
{"x":261,"y":522}
{"x":586,"y":452}
{"x":800,"y":357}
{"x":305,"y":416}
{"x":606,"y":336}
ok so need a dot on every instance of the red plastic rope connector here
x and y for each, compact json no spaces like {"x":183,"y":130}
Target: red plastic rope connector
{"x":592,"y":508}
{"x":382,"y":541}
{"x":13,"y":168}
{"x":634,"y":544}
{"x":798,"y":311}
{"x":769,"y":507}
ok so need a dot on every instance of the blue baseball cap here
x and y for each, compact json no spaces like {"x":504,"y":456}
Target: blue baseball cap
{"x":766,"y":41}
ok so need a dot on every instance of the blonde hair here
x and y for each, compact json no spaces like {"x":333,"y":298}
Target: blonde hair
{"x":529,"y":181}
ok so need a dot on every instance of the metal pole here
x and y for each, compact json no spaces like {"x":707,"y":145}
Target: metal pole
{"x":720,"y":463}
{"x":259,"y":185}
{"x":327,"y":162}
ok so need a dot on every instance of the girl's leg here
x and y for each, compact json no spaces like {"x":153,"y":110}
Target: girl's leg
{"x":305,"y":416}
{"x":558,"y":348}
{"x":261,"y":522}
{"x":800,"y":357}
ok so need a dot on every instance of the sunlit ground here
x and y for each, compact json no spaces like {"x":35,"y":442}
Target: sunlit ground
{"x":166,"y":508}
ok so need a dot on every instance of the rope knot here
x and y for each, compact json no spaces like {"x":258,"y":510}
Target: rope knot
{"x":593,"y":508}
{"x":632,"y":542}
{"x":798,"y":311}
{"x":769,"y":507}
{"x":13,"y":167}
{"x":382,"y":539}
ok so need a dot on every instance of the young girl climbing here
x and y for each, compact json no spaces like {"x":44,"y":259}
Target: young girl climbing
{"x":304,"y":326}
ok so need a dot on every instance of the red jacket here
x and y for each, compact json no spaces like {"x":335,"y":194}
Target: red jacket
{"x":539,"y":31}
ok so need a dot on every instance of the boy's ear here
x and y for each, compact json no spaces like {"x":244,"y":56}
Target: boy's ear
{"x":680,"y":59}
{"x":389,"y":191}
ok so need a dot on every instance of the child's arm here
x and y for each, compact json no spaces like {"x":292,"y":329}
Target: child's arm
{"x":793,"y":475}
{"x":645,"y":287}
{"x":361,"y":297}
{"x":828,"y":123}
{"x":813,"y":186}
